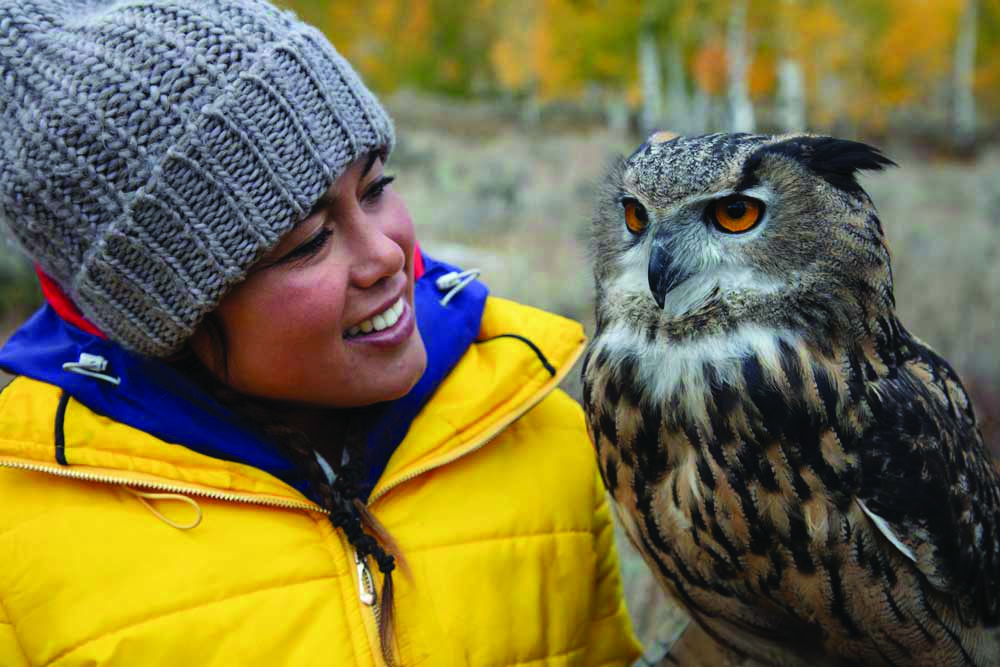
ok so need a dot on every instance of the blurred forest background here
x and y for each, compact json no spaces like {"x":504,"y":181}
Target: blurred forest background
{"x":508,"y":113}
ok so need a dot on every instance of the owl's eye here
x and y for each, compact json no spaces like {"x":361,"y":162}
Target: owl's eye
{"x":735,"y":214}
{"x":636,"y":217}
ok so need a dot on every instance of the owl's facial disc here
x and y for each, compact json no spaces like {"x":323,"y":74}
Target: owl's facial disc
{"x":699,"y":247}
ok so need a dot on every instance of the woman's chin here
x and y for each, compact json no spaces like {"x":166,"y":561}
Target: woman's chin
{"x":386,"y":384}
{"x":410,"y":374}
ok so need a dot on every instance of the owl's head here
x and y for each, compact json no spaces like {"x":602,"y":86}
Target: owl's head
{"x":703,"y":234}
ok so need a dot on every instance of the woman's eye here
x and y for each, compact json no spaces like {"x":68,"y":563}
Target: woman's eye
{"x":636,"y":216}
{"x":310,"y":247}
{"x":736,"y":214}
{"x":377,"y":188}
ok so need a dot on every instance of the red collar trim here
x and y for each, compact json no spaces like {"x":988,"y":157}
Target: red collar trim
{"x":62,"y":304}
{"x":418,"y":262}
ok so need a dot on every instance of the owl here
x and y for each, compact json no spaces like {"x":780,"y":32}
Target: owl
{"x":803,"y":474}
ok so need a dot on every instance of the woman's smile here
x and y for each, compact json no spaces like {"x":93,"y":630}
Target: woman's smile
{"x":388,"y":328}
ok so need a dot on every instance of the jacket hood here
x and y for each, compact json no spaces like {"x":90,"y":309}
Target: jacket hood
{"x":153,"y":397}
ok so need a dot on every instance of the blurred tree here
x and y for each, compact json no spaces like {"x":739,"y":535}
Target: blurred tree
{"x":913,"y":55}
{"x":737,"y":67}
{"x":434,"y":45}
{"x":965,"y":71}
{"x":592,"y":42}
{"x":679,"y":64}
{"x":791,"y":101}
{"x":679,"y":26}
{"x":514,"y":54}
{"x":652,"y":80}
{"x":987,"y":78}
{"x":678,"y":102}
{"x":710,"y":68}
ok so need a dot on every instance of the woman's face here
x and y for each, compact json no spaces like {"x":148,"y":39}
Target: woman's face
{"x":326,"y":318}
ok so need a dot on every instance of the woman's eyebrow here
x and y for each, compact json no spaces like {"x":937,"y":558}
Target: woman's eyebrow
{"x":372,"y":156}
{"x":327,"y":198}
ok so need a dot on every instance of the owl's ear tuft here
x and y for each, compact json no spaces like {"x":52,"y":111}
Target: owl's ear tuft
{"x":837,"y":161}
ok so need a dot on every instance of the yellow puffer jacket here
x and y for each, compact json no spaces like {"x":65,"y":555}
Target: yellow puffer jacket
{"x":493,"y":497}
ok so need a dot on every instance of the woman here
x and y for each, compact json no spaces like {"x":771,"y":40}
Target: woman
{"x":252,"y":425}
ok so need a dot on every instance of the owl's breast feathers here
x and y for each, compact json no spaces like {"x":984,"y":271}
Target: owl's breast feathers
{"x":806,"y":495}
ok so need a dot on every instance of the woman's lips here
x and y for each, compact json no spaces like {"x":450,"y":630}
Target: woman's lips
{"x":383,"y":319}
{"x":389,"y":337}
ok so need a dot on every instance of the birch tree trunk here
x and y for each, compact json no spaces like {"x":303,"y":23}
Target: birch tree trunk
{"x":652,"y":87}
{"x":678,"y":106}
{"x":738,"y":62}
{"x":791,"y":96}
{"x":699,"y":122}
{"x":965,"y":67}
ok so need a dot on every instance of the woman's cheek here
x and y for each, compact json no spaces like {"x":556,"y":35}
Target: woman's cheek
{"x":308,"y":310}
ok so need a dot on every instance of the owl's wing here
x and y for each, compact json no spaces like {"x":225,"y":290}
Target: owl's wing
{"x":927,"y":476}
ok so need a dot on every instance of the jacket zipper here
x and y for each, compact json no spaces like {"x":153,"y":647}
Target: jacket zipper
{"x":167,"y":488}
{"x":366,"y":587}
{"x":301,"y":505}
{"x":366,"y":582}
{"x":368,"y":597}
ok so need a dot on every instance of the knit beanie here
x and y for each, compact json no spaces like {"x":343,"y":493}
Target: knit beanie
{"x":153,"y":150}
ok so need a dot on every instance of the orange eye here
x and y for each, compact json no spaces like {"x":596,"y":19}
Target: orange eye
{"x":736,"y":214}
{"x":636,"y":217}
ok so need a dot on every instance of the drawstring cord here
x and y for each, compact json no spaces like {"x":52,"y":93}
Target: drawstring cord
{"x":145,"y":498}
{"x":92,"y":365}
{"x":455,"y":282}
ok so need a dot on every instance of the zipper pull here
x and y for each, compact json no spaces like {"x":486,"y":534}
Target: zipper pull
{"x":366,"y":589}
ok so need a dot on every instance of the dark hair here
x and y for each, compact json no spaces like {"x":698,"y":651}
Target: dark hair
{"x":342,"y":499}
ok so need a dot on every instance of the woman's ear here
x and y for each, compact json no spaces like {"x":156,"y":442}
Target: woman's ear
{"x":208,"y":345}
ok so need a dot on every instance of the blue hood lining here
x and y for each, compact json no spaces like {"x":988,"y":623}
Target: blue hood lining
{"x":155,"y":398}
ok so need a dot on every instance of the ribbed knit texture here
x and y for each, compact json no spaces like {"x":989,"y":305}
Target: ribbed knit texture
{"x":152,"y":151}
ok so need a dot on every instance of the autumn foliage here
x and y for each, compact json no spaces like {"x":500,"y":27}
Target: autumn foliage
{"x":862,"y":62}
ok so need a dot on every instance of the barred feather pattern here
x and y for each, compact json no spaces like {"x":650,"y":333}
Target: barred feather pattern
{"x":800,"y":472}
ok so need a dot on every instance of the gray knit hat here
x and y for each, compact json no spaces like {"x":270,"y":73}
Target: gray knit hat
{"x":153,"y":150}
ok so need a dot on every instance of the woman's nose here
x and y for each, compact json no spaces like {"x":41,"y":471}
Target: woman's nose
{"x":376,"y":255}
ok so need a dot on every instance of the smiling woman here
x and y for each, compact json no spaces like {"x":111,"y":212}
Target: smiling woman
{"x":253,"y":424}
{"x":327,"y":316}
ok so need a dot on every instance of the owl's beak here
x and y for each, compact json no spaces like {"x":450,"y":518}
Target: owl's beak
{"x":664,"y":274}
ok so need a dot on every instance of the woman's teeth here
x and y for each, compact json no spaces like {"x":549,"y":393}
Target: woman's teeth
{"x":383,"y":320}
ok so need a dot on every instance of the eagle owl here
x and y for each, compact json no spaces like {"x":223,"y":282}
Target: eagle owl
{"x":800,"y":472}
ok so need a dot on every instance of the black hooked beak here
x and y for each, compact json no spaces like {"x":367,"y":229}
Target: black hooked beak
{"x":664,"y":274}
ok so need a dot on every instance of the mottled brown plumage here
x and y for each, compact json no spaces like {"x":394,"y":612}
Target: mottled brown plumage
{"x":804,"y":475}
